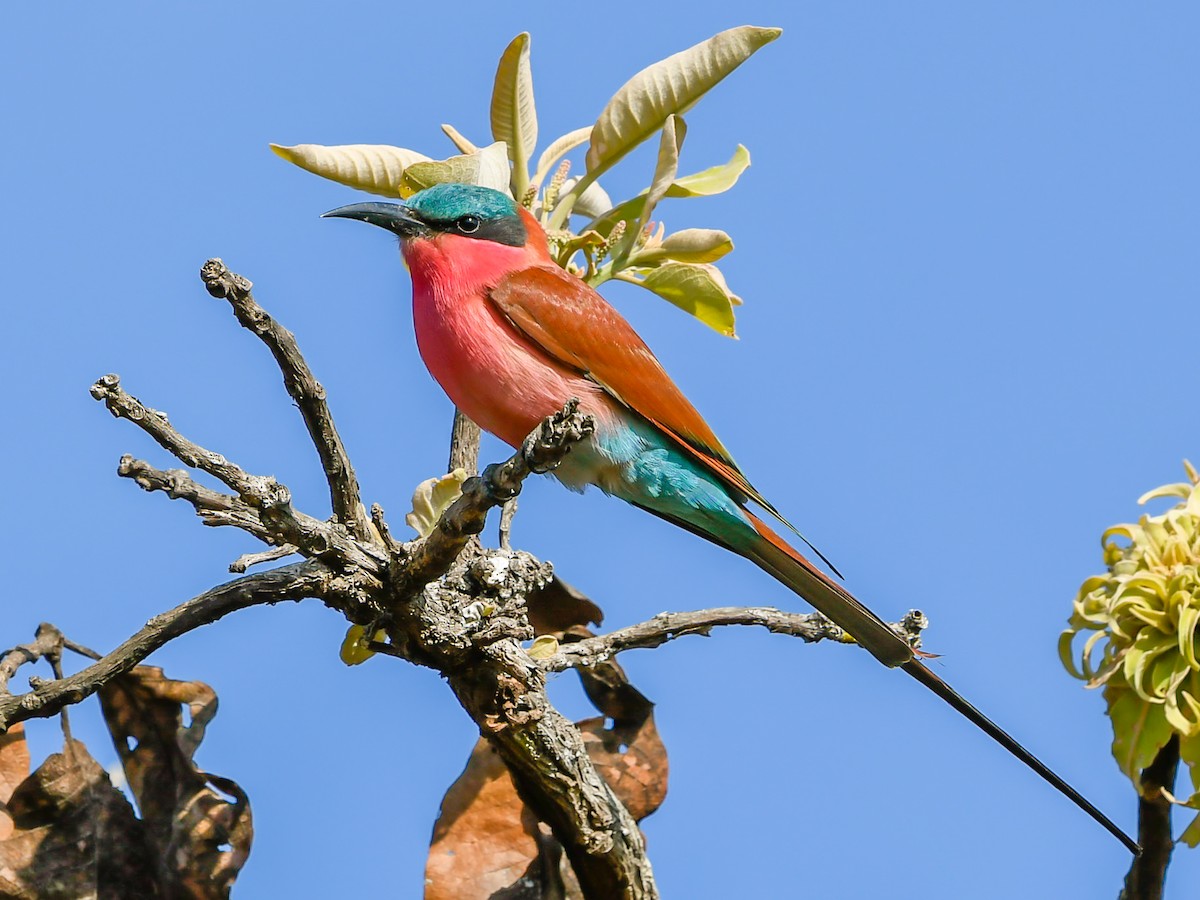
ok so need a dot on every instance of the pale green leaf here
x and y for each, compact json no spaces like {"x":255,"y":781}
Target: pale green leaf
{"x":514,"y":118}
{"x":693,"y":245}
{"x":592,"y":202}
{"x":1182,"y":489}
{"x":1189,"y":755}
{"x":354,"y":647}
{"x":543,"y":647}
{"x":462,"y":144}
{"x":641,"y":106}
{"x":488,"y":167}
{"x":693,"y":288}
{"x":666,"y":167}
{"x":1191,"y":834}
{"x":557,"y":150}
{"x":715,"y":180}
{"x":1140,"y":730}
{"x":433,"y":497}
{"x":376,"y":168}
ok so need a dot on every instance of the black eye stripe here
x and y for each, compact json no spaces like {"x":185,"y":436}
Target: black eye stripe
{"x":508,"y":230}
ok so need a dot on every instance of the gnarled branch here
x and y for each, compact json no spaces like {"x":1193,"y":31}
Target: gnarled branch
{"x":809,"y":627}
{"x":295,"y":582}
{"x":302,"y":387}
{"x":426,"y":595}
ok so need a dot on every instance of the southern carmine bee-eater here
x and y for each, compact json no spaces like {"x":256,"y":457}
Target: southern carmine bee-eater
{"x":510,"y":336}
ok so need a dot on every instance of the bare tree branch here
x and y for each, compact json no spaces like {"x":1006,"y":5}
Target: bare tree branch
{"x":47,"y":642}
{"x":464,"y":445}
{"x":809,"y":627}
{"x":213,"y":507}
{"x":248,"y":560}
{"x":302,"y":387}
{"x":270,"y":499}
{"x":294,"y":582}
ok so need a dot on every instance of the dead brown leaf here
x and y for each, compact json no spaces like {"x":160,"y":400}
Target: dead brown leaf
{"x":14,"y":768}
{"x":75,"y":835}
{"x":485,"y":839}
{"x":487,"y":845}
{"x":632,"y":759}
{"x":199,"y":824}
{"x":558,"y":606}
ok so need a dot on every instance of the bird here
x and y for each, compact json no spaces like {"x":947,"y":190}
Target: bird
{"x":511,"y":337}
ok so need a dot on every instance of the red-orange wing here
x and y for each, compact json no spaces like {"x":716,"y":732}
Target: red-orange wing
{"x":579,"y":328}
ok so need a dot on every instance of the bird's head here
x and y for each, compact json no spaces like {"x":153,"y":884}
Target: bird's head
{"x":462,"y":210}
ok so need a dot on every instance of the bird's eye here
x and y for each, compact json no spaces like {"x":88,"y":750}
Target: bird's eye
{"x":468,"y":224}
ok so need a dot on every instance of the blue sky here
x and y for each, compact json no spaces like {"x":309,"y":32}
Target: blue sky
{"x":967,"y":249}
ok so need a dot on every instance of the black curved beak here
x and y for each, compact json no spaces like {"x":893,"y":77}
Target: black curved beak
{"x":396,"y":218}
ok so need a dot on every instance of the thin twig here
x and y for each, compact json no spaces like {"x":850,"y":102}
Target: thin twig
{"x":75,"y":647}
{"x":125,"y":406}
{"x":247,"y":560}
{"x":270,"y":499}
{"x":213,"y":507}
{"x":47,"y":640}
{"x":295,"y":582}
{"x":507,"y":513}
{"x":809,"y":627}
{"x":302,"y":387}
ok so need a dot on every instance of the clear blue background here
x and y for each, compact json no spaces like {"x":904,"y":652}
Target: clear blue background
{"x":968,"y":251}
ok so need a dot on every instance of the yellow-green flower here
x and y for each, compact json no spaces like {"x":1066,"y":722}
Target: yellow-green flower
{"x":1141,"y":622}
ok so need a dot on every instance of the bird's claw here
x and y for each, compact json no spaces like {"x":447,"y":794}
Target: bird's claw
{"x":545,"y":448}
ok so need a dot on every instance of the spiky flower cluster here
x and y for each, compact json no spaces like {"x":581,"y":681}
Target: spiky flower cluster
{"x":1142,"y":616}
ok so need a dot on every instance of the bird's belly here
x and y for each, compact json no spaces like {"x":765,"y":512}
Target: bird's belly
{"x":502,"y":382}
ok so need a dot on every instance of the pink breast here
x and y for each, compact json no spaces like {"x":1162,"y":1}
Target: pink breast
{"x":490,"y":371}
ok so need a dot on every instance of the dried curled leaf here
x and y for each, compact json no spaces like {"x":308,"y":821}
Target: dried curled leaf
{"x":514,"y":117}
{"x":485,"y":840}
{"x":375,"y":168}
{"x":488,"y":167}
{"x":642,"y":105}
{"x":558,"y":605}
{"x":75,"y":835}
{"x":14,"y":768}
{"x":632,"y":759}
{"x":199,"y":823}
{"x":433,"y":497}
{"x":487,"y":843}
